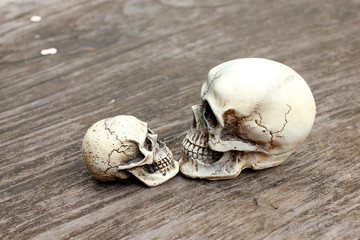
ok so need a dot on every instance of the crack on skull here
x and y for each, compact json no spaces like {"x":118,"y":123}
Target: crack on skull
{"x":272,"y":134}
{"x":286,"y":121}
{"x":130,"y":157}
{"x":259,"y":123}
{"x":212,"y":81}
{"x":120,"y":151}
{"x":112,"y":133}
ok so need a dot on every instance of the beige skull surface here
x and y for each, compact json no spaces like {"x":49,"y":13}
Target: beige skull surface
{"x":254,"y":113}
{"x":114,"y":148}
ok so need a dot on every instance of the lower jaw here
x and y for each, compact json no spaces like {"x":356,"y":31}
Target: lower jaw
{"x":156,"y":178}
{"x":228,"y":167}
{"x":203,"y":161}
{"x":195,"y":169}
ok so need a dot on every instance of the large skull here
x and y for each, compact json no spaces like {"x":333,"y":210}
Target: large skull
{"x":115,"y":147}
{"x":254,"y":113}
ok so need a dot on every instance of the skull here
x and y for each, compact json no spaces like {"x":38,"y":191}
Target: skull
{"x":254,"y":113}
{"x":114,"y":148}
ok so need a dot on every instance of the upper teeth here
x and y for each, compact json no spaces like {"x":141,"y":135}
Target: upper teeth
{"x":197,"y":152}
{"x":161,"y":165}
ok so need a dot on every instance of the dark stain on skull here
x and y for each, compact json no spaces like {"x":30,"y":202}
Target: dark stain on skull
{"x":234,"y":127}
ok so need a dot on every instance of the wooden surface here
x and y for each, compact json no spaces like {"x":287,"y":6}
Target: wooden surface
{"x":148,"y":59}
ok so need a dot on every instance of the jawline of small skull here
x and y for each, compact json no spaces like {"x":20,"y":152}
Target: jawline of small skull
{"x":194,"y":146}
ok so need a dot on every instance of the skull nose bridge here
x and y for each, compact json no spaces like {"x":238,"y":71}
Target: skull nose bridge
{"x":197,"y":112}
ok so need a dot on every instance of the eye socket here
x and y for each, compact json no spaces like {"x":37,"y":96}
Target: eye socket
{"x":209,"y":116}
{"x":148,"y":144}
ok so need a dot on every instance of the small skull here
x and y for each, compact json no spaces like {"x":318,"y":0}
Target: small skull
{"x":114,"y":148}
{"x":254,"y":113}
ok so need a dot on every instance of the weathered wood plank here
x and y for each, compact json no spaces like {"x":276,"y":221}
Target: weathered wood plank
{"x":149,"y":59}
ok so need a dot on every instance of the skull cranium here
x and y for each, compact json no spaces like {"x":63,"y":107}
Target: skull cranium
{"x":254,"y":113}
{"x":114,"y":148}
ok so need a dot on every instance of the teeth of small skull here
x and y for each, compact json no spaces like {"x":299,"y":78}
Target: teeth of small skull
{"x":195,"y":149}
{"x":205,"y":151}
{"x":163,"y":165}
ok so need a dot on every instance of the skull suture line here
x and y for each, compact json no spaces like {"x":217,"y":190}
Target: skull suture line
{"x":254,"y":113}
{"x":114,"y":148}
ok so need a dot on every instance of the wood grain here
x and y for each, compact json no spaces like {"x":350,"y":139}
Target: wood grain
{"x":148,"y":59}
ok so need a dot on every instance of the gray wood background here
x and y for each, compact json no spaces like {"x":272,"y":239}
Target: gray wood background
{"x":148,"y":58}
